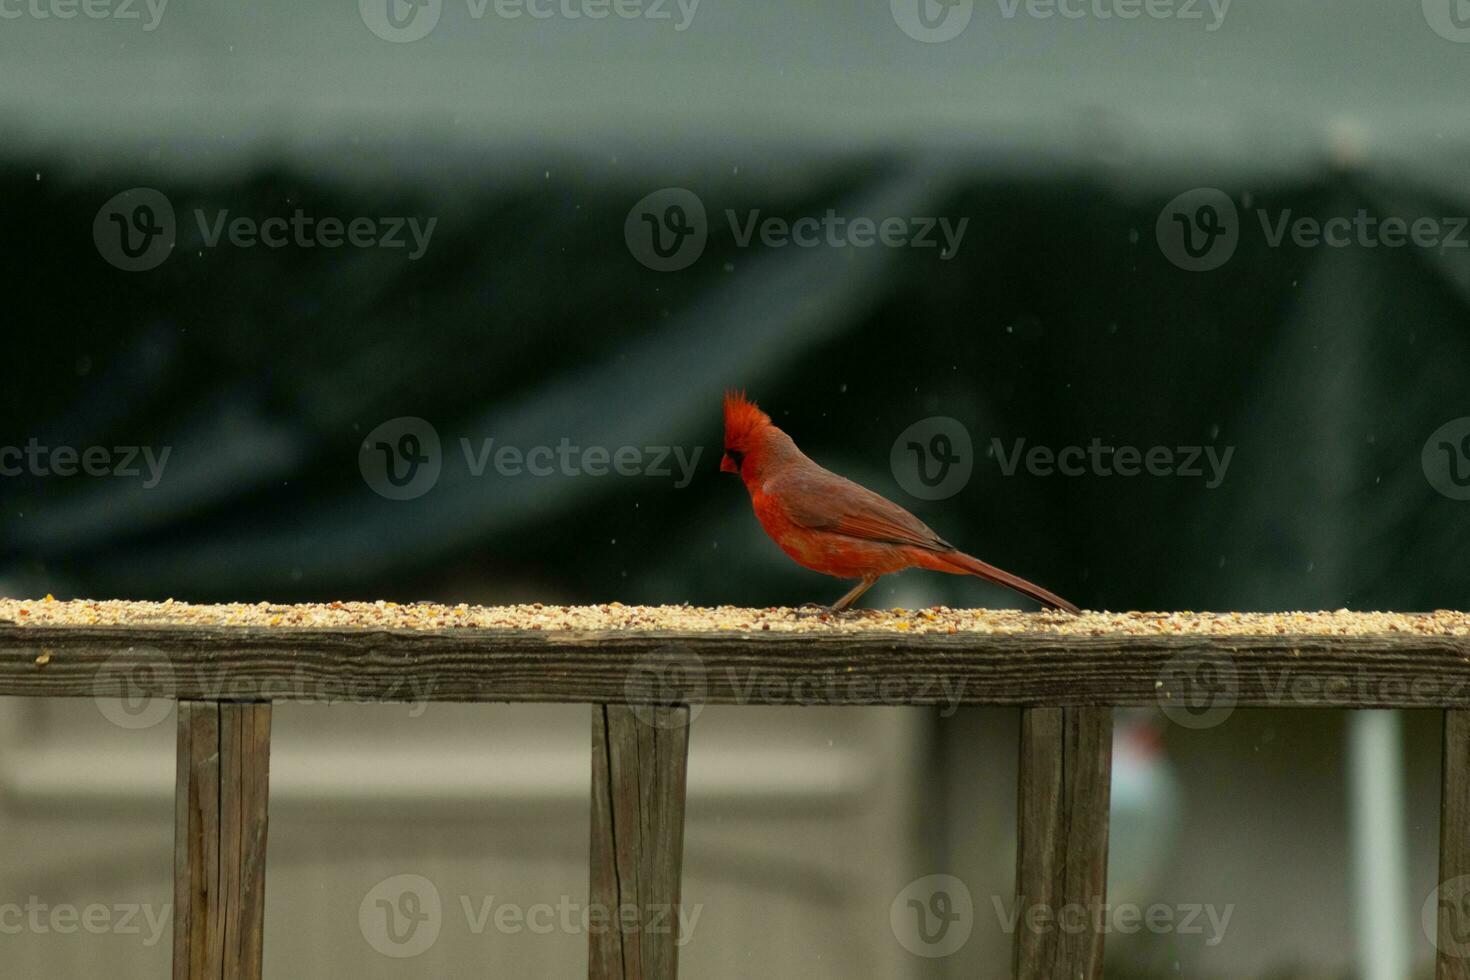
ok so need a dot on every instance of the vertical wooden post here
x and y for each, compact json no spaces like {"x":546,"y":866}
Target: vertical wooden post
{"x":639,"y":762}
{"x":219,"y":840}
{"x":1062,"y":851}
{"x":1452,"y":924}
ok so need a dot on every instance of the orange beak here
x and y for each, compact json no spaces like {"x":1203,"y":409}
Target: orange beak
{"x":728,"y":465}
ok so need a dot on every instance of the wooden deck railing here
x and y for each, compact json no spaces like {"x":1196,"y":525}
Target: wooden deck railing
{"x":640,"y":684}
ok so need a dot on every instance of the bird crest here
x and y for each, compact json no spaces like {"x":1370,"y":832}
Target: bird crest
{"x":742,"y":419}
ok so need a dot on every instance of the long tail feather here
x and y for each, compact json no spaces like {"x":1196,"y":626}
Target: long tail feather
{"x":959,"y":562}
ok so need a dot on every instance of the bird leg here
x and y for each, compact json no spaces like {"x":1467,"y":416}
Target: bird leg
{"x":855,"y":594}
{"x":841,"y":605}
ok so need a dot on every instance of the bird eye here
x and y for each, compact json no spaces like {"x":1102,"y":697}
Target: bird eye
{"x":736,"y":455}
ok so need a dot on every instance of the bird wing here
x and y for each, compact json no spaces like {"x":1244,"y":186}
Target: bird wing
{"x":828,"y":502}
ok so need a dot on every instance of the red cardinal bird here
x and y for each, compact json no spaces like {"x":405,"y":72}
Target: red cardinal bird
{"x":832,"y":525}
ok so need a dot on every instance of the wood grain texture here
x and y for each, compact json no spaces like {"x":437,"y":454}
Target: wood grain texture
{"x":1452,"y":940}
{"x":220,"y":808}
{"x":639,"y":765}
{"x":1062,"y":842}
{"x":232,"y":663}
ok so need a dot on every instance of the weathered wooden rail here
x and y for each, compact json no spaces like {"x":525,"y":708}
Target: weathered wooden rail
{"x":640,"y":684}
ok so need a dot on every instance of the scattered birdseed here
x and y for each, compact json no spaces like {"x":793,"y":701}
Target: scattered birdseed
{"x":24,"y":614}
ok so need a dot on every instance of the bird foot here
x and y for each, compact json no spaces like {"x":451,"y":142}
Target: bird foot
{"x":822,"y":612}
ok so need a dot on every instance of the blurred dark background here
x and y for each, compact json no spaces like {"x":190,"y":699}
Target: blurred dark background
{"x":1119,"y":181}
{"x":528,"y":320}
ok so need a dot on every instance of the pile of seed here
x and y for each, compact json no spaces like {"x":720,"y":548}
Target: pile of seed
{"x":616,"y":616}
